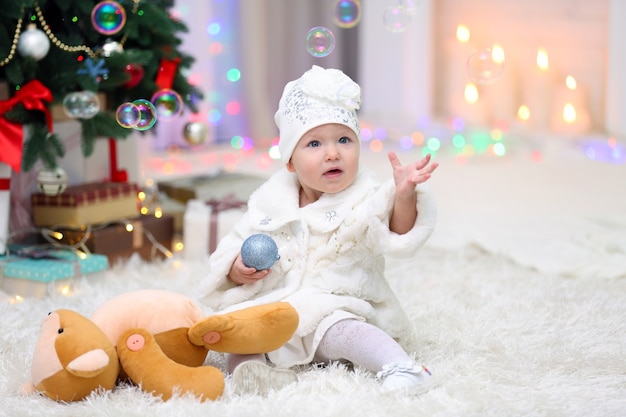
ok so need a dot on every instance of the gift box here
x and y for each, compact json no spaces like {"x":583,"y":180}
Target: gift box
{"x":90,"y":203}
{"x":148,"y":236}
{"x":206,"y":223}
{"x":212,"y":186}
{"x":47,"y":272}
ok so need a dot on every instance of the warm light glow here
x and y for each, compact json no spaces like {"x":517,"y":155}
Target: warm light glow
{"x":569,"y":113}
{"x":462,"y":33}
{"x":129,"y":227}
{"x":497,"y":54}
{"x":56,"y":235}
{"x":376,"y":145}
{"x":523,"y":113}
{"x":570,"y":82}
{"x":17,"y":299}
{"x":158,"y":213}
{"x":179,"y":246}
{"x":144,"y":210}
{"x":471,"y":93}
{"x":141,"y":195}
{"x":542,"y":59}
{"x":65,"y":290}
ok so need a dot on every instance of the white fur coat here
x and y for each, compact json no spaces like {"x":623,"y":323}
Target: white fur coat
{"x":332,"y":258}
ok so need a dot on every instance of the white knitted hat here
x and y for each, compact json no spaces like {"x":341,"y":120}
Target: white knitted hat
{"x":319,"y":97}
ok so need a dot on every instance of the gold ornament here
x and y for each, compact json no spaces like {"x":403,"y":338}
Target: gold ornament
{"x":195,"y":133}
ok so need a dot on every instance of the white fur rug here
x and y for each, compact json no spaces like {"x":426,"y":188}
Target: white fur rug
{"x":519,"y":300}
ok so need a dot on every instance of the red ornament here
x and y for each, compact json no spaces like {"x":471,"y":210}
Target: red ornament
{"x":136,"y":75}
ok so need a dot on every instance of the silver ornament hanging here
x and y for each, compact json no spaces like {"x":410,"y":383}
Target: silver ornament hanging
{"x":110,"y":47}
{"x":52,"y":181}
{"x":259,"y":251}
{"x":195,"y":133}
{"x":33,"y":43}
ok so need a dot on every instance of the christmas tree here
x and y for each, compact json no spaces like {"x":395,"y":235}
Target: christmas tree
{"x":72,"y":53}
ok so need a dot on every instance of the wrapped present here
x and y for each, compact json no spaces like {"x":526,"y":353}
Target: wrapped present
{"x":206,"y":222}
{"x":212,"y":186}
{"x":84,"y":204}
{"x":41,"y":272}
{"x":148,"y":236}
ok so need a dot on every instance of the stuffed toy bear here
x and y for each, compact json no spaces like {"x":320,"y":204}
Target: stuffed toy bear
{"x":157,"y":339}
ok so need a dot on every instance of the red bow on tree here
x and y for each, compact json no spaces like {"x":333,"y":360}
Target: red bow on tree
{"x":31,"y":96}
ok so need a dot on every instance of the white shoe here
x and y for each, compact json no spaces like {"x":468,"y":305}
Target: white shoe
{"x":404,"y":376}
{"x":257,"y":377}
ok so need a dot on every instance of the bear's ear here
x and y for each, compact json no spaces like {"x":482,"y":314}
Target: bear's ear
{"x":89,"y":364}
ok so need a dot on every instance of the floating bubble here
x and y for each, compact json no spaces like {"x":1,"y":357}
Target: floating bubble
{"x":396,"y":19}
{"x":127,"y":115}
{"x":81,"y":104}
{"x":486,"y":66}
{"x":320,"y":41}
{"x":168,"y":104}
{"x":347,"y":13}
{"x":108,"y":17}
{"x":147,"y":114}
{"x":410,"y":6}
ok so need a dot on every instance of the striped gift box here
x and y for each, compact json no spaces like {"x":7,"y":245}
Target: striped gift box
{"x":90,"y":203}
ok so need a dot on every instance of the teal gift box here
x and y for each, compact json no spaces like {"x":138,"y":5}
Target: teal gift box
{"x":39,"y":276}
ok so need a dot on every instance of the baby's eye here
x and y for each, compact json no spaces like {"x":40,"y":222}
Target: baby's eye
{"x":314,"y":143}
{"x":344,"y":139}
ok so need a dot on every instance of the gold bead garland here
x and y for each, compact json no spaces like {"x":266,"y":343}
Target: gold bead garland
{"x":56,"y":40}
{"x":16,"y":38}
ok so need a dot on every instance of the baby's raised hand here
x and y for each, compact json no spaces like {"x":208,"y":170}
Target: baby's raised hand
{"x":408,"y":176}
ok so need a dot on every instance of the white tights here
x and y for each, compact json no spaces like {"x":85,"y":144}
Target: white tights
{"x":356,"y":341}
{"x":361,"y":343}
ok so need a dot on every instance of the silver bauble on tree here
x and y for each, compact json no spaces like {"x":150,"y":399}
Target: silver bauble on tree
{"x":52,"y":181}
{"x":195,"y":133}
{"x":33,"y":43}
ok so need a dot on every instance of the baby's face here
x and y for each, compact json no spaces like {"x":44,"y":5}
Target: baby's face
{"x":326,"y":159}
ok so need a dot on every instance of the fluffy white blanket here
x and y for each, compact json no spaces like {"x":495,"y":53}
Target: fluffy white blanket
{"x":518,"y":300}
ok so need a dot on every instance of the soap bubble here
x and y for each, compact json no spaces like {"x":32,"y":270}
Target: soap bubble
{"x":396,"y":19}
{"x":347,"y":13}
{"x":486,"y":66}
{"x":108,"y":17}
{"x":168,"y":103}
{"x":320,"y":41}
{"x":147,"y":114}
{"x":127,"y":115}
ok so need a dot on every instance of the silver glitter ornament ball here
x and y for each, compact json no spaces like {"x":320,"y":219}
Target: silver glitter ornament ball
{"x":259,"y":251}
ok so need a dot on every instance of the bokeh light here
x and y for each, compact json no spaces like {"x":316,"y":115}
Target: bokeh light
{"x":233,"y":75}
{"x":233,"y":108}
{"x":215,"y":116}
